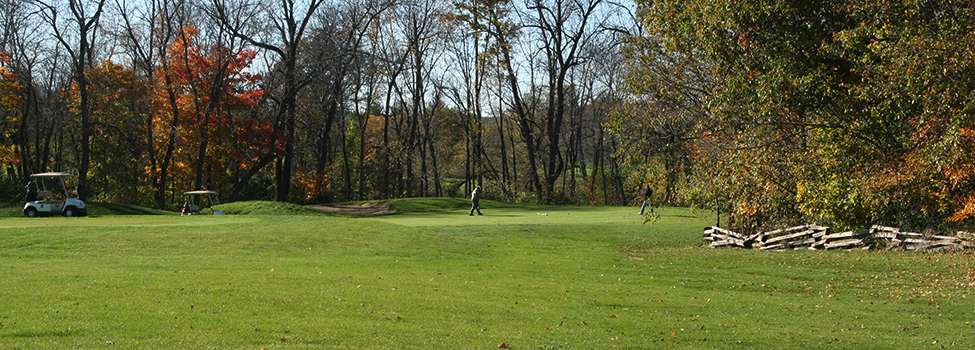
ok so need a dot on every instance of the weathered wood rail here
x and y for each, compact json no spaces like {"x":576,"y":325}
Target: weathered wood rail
{"x":815,"y":237}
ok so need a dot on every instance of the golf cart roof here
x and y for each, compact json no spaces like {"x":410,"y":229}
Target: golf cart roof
{"x":193,"y":193}
{"x":53,"y":175}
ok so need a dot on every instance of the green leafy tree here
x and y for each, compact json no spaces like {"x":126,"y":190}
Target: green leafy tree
{"x":848,"y":113}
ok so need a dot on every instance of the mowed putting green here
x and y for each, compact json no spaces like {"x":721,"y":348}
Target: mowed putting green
{"x":521,"y":277}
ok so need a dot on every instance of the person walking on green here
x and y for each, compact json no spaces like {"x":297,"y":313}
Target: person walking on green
{"x":476,"y":201}
{"x":647,"y":193}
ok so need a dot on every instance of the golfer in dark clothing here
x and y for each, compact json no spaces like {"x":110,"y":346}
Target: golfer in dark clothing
{"x":31,"y":192}
{"x":476,"y":201}
{"x":647,"y":193}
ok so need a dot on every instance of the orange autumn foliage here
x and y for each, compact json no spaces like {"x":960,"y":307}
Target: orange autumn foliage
{"x":10,"y":103}
{"x":211,"y":90}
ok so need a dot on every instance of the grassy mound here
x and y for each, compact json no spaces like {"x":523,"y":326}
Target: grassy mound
{"x":105,"y":209}
{"x":266,"y":208}
{"x":422,"y":205}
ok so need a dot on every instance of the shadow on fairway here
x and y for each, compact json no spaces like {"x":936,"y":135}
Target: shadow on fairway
{"x":101,"y":208}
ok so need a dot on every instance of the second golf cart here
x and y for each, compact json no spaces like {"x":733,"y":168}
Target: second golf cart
{"x":53,"y":194}
{"x":195,"y":198}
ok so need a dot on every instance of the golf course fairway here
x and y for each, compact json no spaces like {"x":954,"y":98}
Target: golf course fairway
{"x":518,"y":277}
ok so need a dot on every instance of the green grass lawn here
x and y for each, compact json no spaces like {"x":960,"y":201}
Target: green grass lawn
{"x":432,"y":277}
{"x":94,"y":209}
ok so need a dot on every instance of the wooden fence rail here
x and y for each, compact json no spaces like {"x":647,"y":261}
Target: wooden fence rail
{"x":815,"y":237}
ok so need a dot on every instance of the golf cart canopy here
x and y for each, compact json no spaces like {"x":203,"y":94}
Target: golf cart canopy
{"x":193,"y":193}
{"x":52,"y":175}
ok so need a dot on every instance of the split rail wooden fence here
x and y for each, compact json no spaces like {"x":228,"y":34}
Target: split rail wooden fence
{"x":815,"y":237}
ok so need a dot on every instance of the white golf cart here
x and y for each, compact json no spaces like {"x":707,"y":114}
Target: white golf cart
{"x":192,"y":205}
{"x":53,"y":194}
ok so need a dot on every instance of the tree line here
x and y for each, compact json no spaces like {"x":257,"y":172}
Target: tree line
{"x":312,"y":100}
{"x":847,"y":112}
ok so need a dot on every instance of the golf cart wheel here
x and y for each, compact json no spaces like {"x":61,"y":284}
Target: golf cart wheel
{"x":70,"y":212}
{"x":30,"y":212}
